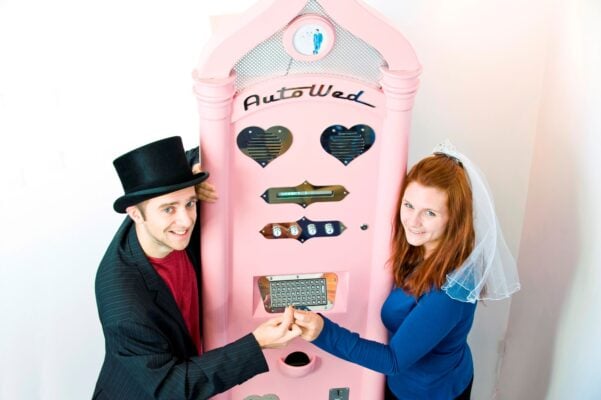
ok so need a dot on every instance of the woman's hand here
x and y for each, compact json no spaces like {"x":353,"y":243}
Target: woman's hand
{"x":310,"y":323}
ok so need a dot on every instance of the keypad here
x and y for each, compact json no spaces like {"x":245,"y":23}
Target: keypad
{"x":298,"y":292}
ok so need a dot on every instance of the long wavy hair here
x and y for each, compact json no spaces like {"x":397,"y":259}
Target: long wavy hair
{"x":411,"y":271}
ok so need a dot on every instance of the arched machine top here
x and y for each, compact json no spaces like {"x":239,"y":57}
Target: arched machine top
{"x":267,"y":17}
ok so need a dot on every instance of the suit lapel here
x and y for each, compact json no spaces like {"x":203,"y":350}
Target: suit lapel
{"x":155,"y":284}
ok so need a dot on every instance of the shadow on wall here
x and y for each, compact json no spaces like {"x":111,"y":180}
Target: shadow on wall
{"x":486,"y":341}
{"x":549,"y":255}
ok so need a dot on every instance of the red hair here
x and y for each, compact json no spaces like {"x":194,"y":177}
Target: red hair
{"x":411,"y":271}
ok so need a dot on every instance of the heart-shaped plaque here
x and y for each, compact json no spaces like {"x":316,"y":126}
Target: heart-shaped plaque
{"x":347,"y":144}
{"x":264,"y":146}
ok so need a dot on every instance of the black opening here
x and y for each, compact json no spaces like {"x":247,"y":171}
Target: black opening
{"x":297,"y":359}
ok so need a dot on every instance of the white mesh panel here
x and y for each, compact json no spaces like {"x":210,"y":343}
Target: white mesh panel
{"x":350,"y":57}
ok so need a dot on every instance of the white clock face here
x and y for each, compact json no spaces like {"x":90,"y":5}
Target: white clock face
{"x":311,"y":39}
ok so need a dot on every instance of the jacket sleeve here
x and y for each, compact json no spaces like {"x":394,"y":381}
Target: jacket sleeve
{"x":193,"y":156}
{"x":427,"y":324}
{"x":146,"y":354}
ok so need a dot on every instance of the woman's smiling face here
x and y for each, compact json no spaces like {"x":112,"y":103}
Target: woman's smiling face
{"x":424,"y":216}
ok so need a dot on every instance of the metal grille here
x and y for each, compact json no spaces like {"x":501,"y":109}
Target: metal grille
{"x":350,"y":57}
{"x":264,"y":148}
{"x":299,"y":292}
{"x":346,"y":147}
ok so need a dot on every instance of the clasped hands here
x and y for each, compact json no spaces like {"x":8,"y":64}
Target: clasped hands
{"x":277,"y":332}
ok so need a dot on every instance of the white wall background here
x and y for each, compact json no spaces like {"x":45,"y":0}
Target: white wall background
{"x":511,"y":83}
{"x":553,"y":349}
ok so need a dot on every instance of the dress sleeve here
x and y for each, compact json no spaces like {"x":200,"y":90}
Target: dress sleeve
{"x":425,"y":326}
{"x":146,"y":354}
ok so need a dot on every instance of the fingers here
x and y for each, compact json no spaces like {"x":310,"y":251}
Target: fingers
{"x":284,"y":320}
{"x":288,"y":321}
{"x":288,"y":317}
{"x":303,"y":318}
{"x":205,"y":191}
{"x":310,"y":324}
{"x":273,"y":322}
{"x":295,"y":330}
{"x":196,"y":168}
{"x":290,"y":334}
{"x":277,"y":332}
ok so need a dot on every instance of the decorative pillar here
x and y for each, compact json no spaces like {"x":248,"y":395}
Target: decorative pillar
{"x":215,"y":97}
{"x":399,"y":88}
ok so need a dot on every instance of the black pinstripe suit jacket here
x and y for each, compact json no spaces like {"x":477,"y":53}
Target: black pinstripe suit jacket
{"x":149,"y":352}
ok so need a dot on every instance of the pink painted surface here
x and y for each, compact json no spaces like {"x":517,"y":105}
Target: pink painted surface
{"x":268,"y":16}
{"x":235,"y":253}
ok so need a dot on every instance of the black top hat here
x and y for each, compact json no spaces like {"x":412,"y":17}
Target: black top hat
{"x":153,"y":170}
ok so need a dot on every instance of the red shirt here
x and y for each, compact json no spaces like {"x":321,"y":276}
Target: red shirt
{"x":177,"y":272}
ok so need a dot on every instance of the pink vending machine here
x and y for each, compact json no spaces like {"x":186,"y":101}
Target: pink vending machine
{"x":305,"y":110}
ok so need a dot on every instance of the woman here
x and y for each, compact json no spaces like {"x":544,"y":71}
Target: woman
{"x":447,"y":253}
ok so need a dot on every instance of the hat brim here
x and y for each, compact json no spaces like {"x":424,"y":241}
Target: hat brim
{"x":134,"y":198}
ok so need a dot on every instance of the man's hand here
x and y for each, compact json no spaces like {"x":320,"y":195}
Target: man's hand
{"x":277,"y":332}
{"x":310,"y":323}
{"x":204,"y":190}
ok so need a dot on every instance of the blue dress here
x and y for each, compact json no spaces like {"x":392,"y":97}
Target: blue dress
{"x":427,"y":356}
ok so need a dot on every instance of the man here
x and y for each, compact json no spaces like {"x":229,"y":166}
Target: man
{"x":147,"y":290}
